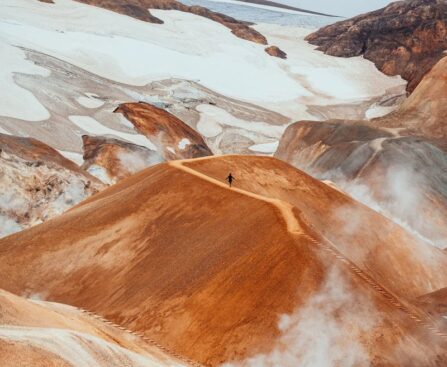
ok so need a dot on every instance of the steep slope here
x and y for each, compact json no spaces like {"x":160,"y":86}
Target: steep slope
{"x":396,"y":163}
{"x":112,"y":160}
{"x":37,"y":183}
{"x":37,"y":333}
{"x":405,"y":38}
{"x":172,"y":252}
{"x":172,"y":137}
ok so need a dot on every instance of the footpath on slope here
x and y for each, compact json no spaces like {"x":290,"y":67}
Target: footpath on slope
{"x":286,"y":209}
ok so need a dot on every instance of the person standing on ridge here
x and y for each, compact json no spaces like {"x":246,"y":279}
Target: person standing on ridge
{"x":230,"y":179}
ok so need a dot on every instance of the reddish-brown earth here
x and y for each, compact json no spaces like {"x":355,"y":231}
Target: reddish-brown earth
{"x":173,"y":138}
{"x":206,"y":270}
{"x":275,"y":51}
{"x":119,"y":159}
{"x":405,"y":38}
{"x":43,"y":334}
{"x":403,"y":154}
{"x":435,"y":303}
{"x":37,"y":183}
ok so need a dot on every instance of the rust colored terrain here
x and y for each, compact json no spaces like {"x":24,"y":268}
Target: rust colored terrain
{"x":405,"y":38}
{"x":119,"y":159}
{"x":38,"y":334}
{"x":205,"y":270}
{"x":412,"y":138}
{"x":165,"y":130}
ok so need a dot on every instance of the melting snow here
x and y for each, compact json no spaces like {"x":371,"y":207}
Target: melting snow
{"x":92,"y":126}
{"x":217,"y":116}
{"x":89,"y":102}
{"x":72,"y":156}
{"x":16,"y":101}
{"x":100,"y":173}
{"x":183,"y":143}
{"x":265,"y":148}
{"x":188,"y":47}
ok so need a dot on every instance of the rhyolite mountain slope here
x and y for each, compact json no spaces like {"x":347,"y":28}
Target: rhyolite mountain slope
{"x":112,"y":160}
{"x":172,"y":253}
{"x":396,"y":163}
{"x":172,"y":137}
{"x":405,"y":38}
{"x":37,"y":183}
{"x":35,"y":333}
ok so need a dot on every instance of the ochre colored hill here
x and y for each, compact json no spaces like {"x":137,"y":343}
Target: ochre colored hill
{"x":36,"y":333}
{"x":205,"y":270}
{"x":173,"y":138}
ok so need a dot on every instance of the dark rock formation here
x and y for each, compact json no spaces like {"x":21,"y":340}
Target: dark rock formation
{"x":277,"y":52}
{"x":405,"y":38}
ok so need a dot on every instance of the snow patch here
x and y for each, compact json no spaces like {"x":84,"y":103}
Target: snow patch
{"x":217,"y":116}
{"x":16,"y":101}
{"x":268,"y":148}
{"x":72,"y":156}
{"x":91,"y":126}
{"x":8,"y":226}
{"x":89,"y":102}
{"x":183,"y":143}
{"x":378,"y":111}
{"x":100,"y":173}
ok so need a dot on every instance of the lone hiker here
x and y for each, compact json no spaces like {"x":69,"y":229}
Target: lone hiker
{"x":230,"y":179}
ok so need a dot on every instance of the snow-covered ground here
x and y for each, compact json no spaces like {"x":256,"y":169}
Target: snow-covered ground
{"x":69,"y":59}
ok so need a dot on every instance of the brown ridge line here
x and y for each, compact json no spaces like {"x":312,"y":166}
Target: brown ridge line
{"x":293,"y":227}
{"x":393,"y":300}
{"x":175,"y":355}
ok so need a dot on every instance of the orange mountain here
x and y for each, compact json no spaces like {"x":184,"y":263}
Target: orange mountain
{"x":174,"y":253}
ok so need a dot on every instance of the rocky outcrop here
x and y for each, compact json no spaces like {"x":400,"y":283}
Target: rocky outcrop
{"x":139,"y":9}
{"x":114,"y":159}
{"x":37,"y":183}
{"x":396,"y":163}
{"x":405,"y":38}
{"x":275,"y":51}
{"x":172,"y":137}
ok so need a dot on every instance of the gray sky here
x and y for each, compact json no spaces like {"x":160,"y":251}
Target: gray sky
{"x":347,"y":8}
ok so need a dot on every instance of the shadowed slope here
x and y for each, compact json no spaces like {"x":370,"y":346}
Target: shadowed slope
{"x":396,"y":163}
{"x":207,"y":270}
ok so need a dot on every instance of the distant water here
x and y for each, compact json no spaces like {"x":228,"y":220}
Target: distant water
{"x":259,"y":15}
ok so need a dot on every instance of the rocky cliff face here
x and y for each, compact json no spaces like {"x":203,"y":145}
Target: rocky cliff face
{"x":171,"y":136}
{"x":396,"y":163}
{"x":405,"y":38}
{"x":37,"y":183}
